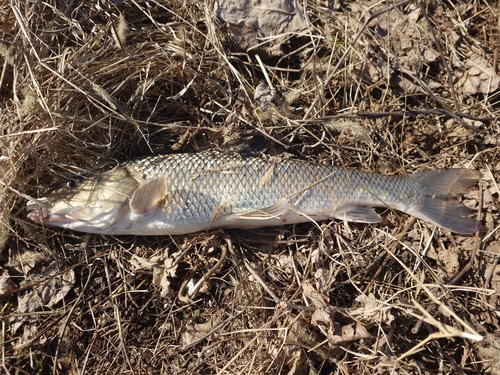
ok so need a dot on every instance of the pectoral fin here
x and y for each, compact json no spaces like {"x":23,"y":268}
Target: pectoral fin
{"x":358,"y":214}
{"x":148,"y":195}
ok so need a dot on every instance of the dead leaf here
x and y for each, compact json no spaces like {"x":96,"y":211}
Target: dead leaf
{"x":373,"y":310}
{"x":319,"y":300}
{"x":291,"y":354}
{"x":285,"y":262}
{"x":28,"y":302}
{"x":477,"y":76}
{"x":162,"y":271}
{"x":399,"y":80}
{"x":430,"y":55}
{"x":489,"y":352}
{"x":53,"y":290}
{"x":170,"y":267}
{"x":196,"y":332}
{"x":322,"y":277}
{"x":24,"y":261}
{"x":252,"y":22}
{"x":348,"y":332}
{"x":49,"y":292}
{"x":7,"y":285}
{"x":264,"y":95}
{"x":296,"y":360}
{"x":140,"y":263}
{"x":44,"y":293}
{"x":320,"y":316}
{"x":160,"y":280}
{"x":317,"y":257}
{"x":29,"y":335}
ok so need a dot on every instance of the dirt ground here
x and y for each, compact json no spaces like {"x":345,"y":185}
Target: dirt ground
{"x":390,"y":87}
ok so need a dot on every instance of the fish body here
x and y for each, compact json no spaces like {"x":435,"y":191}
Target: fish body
{"x":185,"y":193}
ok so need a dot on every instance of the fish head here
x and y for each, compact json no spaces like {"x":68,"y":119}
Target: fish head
{"x":88,"y":205}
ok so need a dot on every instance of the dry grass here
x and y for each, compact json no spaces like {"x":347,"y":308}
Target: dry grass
{"x":379,"y":86}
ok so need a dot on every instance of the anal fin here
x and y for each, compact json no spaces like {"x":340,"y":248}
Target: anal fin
{"x":358,"y":214}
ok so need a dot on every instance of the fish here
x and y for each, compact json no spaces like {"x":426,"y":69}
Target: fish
{"x":181,"y":193}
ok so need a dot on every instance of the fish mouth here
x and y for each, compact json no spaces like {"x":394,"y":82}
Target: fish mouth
{"x":39,"y":212}
{"x":37,"y":215}
{"x":42,"y":217}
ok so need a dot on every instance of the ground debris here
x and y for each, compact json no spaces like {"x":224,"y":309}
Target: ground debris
{"x":477,"y":75}
{"x":393,"y":87}
{"x":253,"y":23}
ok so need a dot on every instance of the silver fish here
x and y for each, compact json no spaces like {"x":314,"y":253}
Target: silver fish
{"x":186,"y":193}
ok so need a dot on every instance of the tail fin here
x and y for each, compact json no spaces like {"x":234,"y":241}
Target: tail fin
{"x":441,"y":205}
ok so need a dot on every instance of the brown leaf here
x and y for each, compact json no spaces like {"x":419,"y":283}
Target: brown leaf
{"x":252,"y":21}
{"x":349,"y":332}
{"x":373,"y":310}
{"x":160,"y":280}
{"x":53,"y":290}
{"x":321,"y":316}
{"x":6,"y":283}
{"x":264,"y":95}
{"x":28,"y":302}
{"x":322,"y":277}
{"x":162,"y":273}
{"x":29,"y":335}
{"x":45,"y":293}
{"x":195,"y":332}
{"x":318,"y":299}
{"x":477,"y":76}
{"x":290,"y":354}
{"x":48,"y":292}
{"x":489,"y":352}
{"x":296,"y":360}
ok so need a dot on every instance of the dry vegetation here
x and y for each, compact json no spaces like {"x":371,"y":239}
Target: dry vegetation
{"x":382,"y":86}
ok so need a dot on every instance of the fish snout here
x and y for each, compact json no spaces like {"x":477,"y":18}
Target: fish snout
{"x":38,"y":210}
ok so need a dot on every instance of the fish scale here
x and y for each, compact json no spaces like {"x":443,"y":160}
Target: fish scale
{"x":184,"y":193}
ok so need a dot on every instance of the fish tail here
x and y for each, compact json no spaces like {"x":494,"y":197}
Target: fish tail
{"x":441,"y":205}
